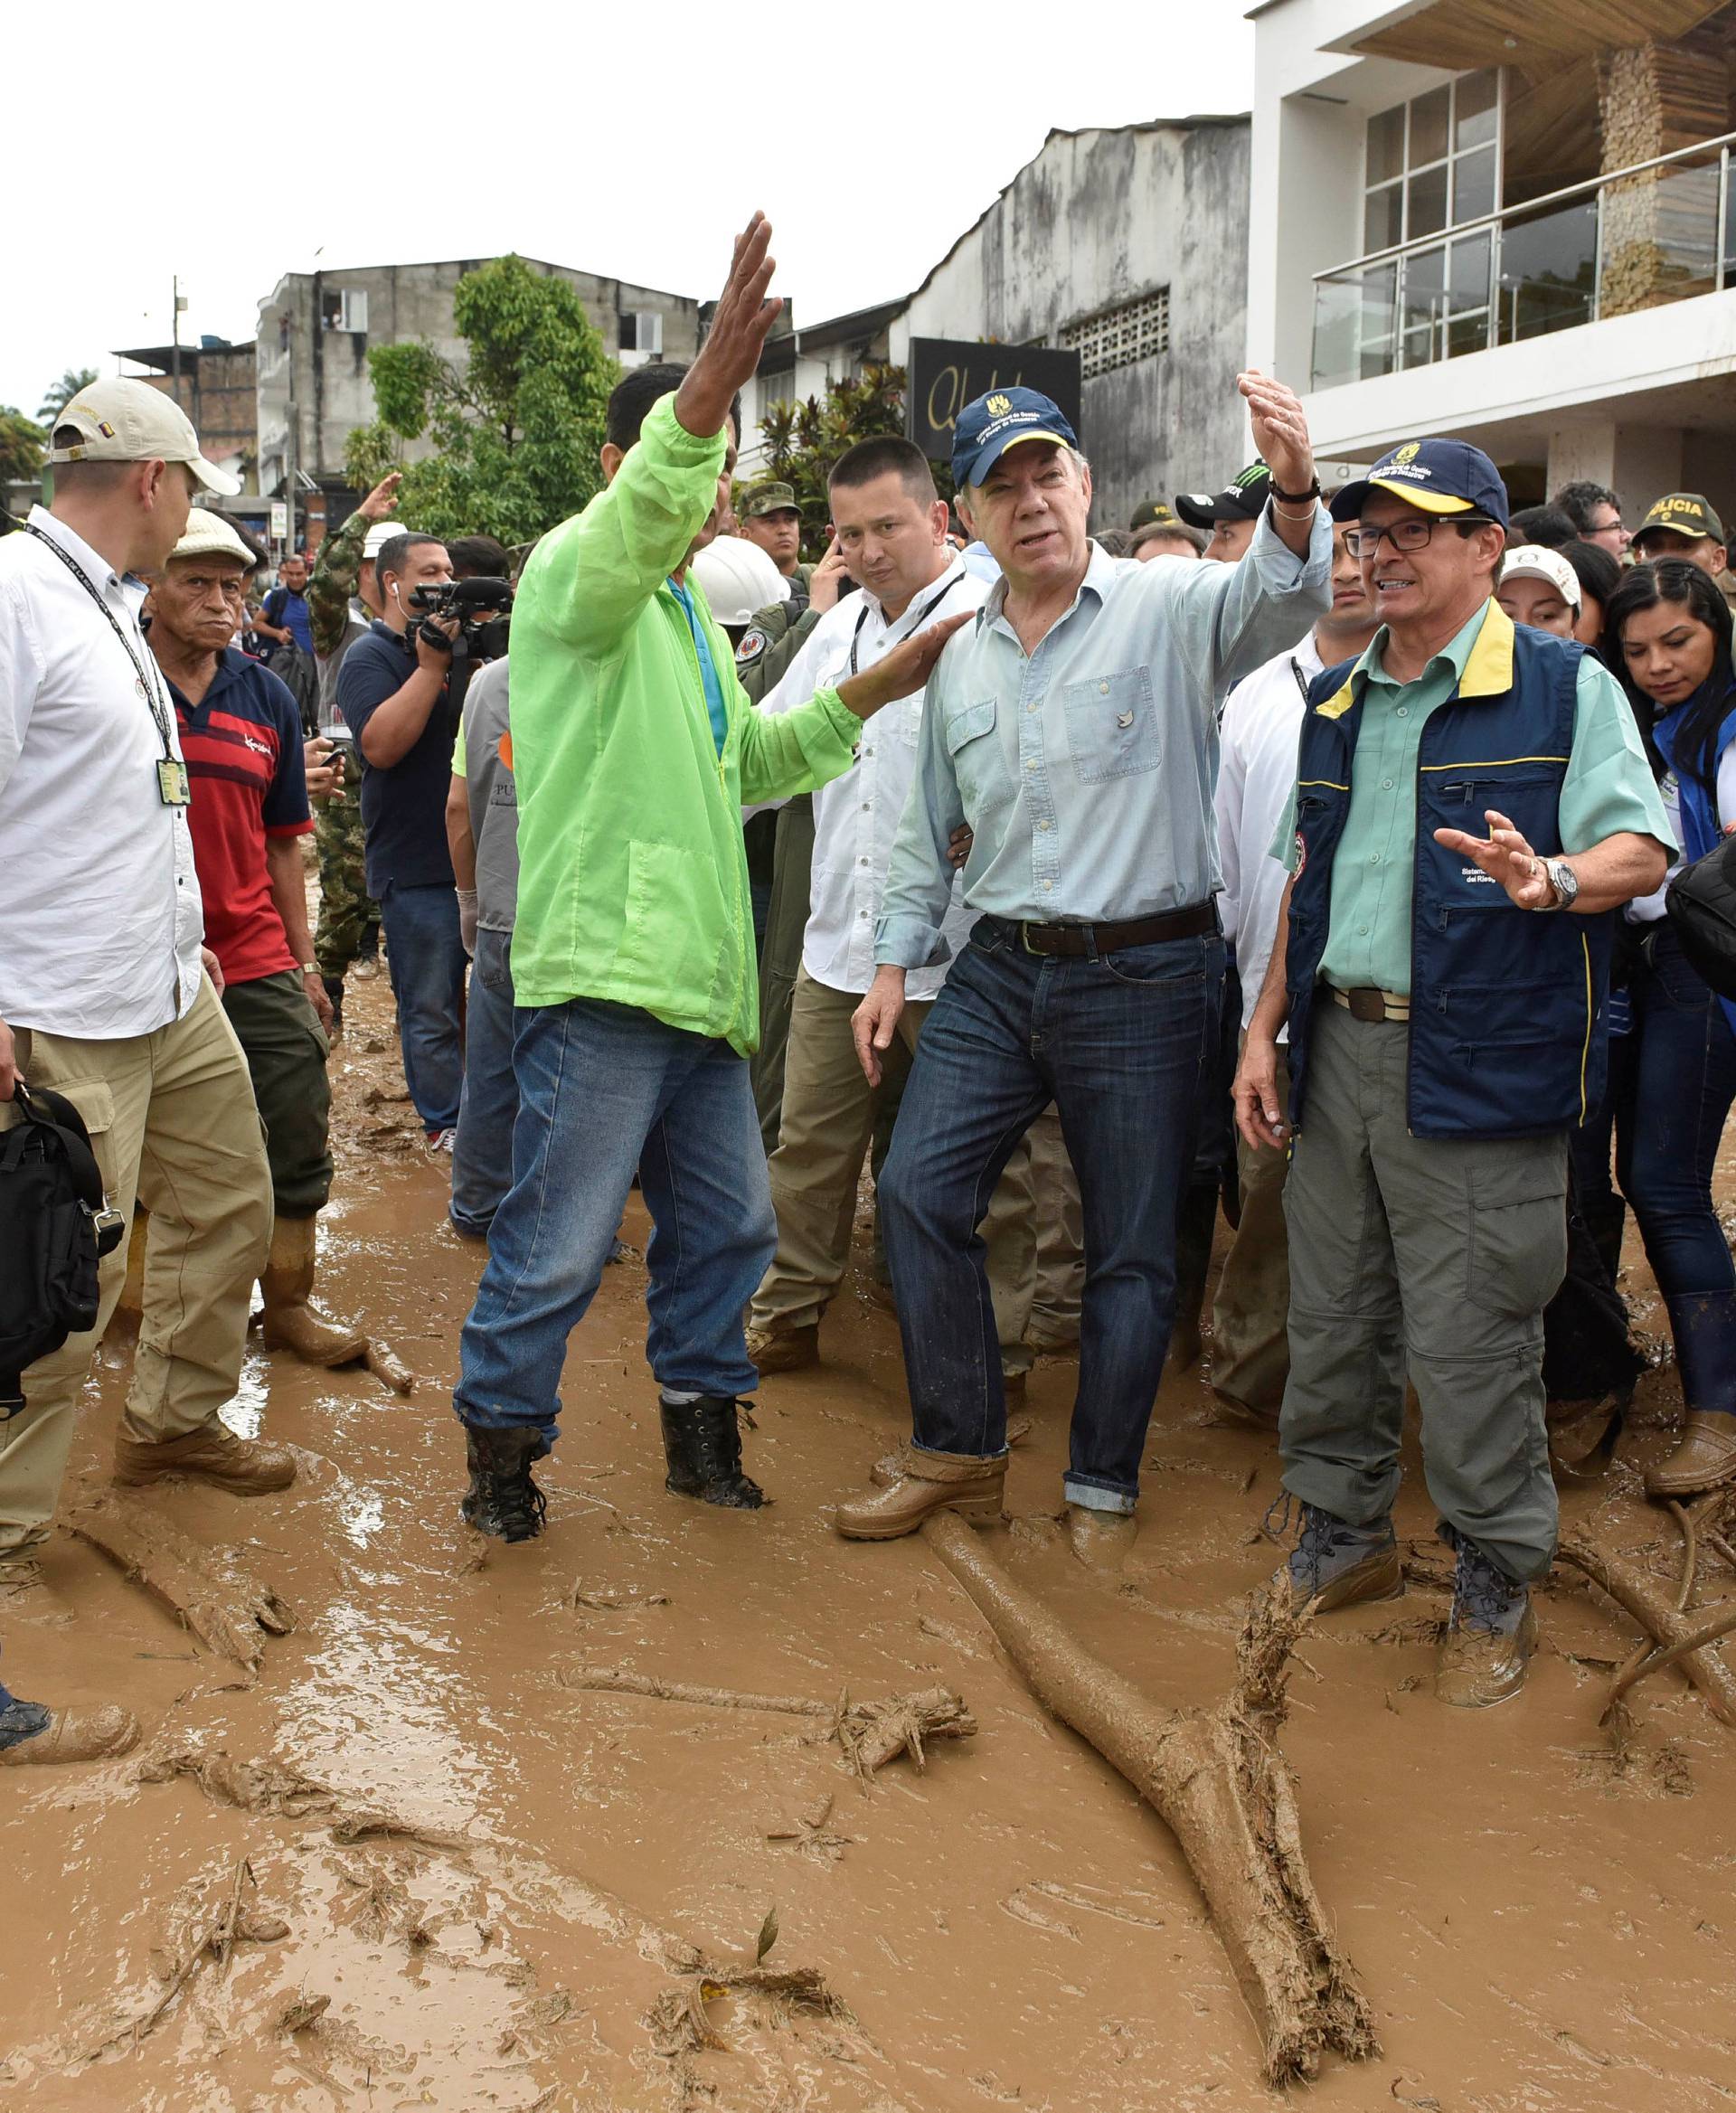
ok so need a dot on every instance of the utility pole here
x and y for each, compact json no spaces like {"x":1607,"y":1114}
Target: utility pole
{"x":178,"y":308}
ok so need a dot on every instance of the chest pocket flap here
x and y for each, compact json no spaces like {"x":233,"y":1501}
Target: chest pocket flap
{"x":969,"y":723}
{"x":1112,"y":725}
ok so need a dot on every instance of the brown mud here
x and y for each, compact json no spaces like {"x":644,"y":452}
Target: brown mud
{"x":399,"y":1854}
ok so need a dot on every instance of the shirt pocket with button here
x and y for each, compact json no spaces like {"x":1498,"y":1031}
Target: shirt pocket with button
{"x":1112,"y":725}
{"x":976,"y":761}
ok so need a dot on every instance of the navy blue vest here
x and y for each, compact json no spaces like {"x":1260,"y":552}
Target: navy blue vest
{"x":1508,"y":1029}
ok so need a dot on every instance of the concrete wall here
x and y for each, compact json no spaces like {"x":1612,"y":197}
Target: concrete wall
{"x":333,"y":390}
{"x":1097,"y":219}
{"x":219,"y":392}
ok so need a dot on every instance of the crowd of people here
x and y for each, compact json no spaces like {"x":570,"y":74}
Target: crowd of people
{"x":1299,"y":857}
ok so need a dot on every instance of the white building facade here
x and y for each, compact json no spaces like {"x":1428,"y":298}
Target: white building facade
{"x":1511,"y":225}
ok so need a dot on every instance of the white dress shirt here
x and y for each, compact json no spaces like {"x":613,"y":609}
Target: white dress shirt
{"x":1262,"y":726}
{"x":101,"y":922}
{"x":857,"y":816}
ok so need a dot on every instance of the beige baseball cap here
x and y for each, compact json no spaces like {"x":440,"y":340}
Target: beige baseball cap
{"x":208,"y":535}
{"x":1530,"y":561}
{"x":126,"y":421}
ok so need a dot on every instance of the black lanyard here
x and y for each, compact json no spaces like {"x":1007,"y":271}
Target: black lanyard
{"x":1301,"y":680}
{"x":922,"y":616}
{"x":148,"y":688}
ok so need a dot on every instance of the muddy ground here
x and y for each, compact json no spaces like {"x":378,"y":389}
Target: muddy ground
{"x":453,"y":1881}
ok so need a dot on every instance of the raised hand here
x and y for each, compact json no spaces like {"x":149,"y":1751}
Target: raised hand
{"x":1506,"y":856}
{"x":380,"y":501}
{"x":740,"y":323}
{"x":1281,"y":430}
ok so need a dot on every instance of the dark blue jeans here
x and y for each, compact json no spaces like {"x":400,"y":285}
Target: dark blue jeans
{"x":482,"y":1157}
{"x":425,"y":952}
{"x":1121,"y":1044}
{"x":603,"y":1090}
{"x":1672,"y":1080}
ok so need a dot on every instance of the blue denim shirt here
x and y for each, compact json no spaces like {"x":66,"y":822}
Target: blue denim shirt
{"x":1086,"y":769}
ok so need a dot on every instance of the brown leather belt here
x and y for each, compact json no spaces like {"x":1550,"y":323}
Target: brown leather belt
{"x":1365,"y":1004}
{"x":1083,"y":940}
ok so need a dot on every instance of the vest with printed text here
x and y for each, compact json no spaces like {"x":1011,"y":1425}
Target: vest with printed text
{"x":1508,"y":1027}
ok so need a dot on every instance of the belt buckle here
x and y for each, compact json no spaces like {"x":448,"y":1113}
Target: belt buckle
{"x":1024,"y":940}
{"x":1366,"y":1004}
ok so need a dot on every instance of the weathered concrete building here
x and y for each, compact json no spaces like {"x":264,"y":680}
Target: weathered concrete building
{"x":1128,"y":245}
{"x":316,"y":328}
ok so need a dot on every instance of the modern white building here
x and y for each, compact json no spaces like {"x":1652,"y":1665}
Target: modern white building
{"x":1510,"y":223}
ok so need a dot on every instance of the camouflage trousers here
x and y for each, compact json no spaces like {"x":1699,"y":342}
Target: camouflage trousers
{"x":345,"y":910}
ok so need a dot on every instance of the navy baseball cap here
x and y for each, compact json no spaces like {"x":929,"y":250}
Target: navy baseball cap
{"x":987,"y":427}
{"x":1440,"y":476}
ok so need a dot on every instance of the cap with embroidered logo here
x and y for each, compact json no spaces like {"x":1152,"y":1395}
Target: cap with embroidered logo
{"x":1438,"y":476}
{"x":1688,"y":514}
{"x":126,"y":421}
{"x":1003,"y":418}
{"x":1243,"y":498}
{"x":1530,"y":561}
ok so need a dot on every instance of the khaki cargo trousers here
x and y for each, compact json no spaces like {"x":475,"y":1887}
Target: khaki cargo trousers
{"x":172,"y":1122}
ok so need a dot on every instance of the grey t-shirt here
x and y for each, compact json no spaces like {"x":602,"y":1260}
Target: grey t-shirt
{"x":494,"y":796}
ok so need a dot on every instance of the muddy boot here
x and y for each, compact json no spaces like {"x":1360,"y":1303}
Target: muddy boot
{"x":335,"y":994}
{"x":292,"y":1322}
{"x":1705,"y":1326}
{"x":1336,"y":1564}
{"x":31,"y":1735}
{"x":1483,"y":1656}
{"x":701,"y":1443}
{"x":1102,"y":1541}
{"x":247,"y":1467}
{"x":891,"y":1466}
{"x":931,"y":1482}
{"x":502,"y":1499}
{"x":1196,"y":1224}
{"x":784,"y":1349}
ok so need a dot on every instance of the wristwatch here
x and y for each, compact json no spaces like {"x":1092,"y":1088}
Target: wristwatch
{"x":1565,"y":882}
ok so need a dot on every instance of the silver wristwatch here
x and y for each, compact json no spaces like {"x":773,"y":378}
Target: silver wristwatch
{"x":1565,"y":882}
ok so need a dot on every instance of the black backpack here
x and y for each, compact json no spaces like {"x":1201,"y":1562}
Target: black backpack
{"x":55,"y":1224}
{"x":1702,"y":904}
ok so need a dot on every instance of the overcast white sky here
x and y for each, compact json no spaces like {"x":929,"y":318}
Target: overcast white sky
{"x":234,"y":148}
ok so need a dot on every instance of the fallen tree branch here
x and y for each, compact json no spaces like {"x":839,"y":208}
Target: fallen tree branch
{"x":1218,"y":1781}
{"x":609,"y":1679}
{"x":208,"y":1589}
{"x":1629,"y":1587}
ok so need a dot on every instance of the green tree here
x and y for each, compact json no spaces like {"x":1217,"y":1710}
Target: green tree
{"x":802,"y":440}
{"x":22,"y":442}
{"x":59,"y":394}
{"x":516,"y":430}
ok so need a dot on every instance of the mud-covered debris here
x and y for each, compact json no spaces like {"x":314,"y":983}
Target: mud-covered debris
{"x":261,"y":1786}
{"x":612,"y":1598}
{"x":298,"y":2011}
{"x":363,"y":1825}
{"x":612,"y":1680}
{"x":210,"y":1590}
{"x":874,"y":1733}
{"x":678,"y":2022}
{"x":811,"y":1836}
{"x":768,"y":1935}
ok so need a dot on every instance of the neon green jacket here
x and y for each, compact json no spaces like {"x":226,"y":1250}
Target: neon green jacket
{"x":633,"y":881}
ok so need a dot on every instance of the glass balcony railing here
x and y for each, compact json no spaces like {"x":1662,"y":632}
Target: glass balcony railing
{"x":1661,"y":231}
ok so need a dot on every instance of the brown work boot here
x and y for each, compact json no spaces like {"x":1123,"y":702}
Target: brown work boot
{"x":1102,"y":1541}
{"x":292,"y":1322}
{"x":248,"y":1466}
{"x":784,"y":1349}
{"x":71,"y":1735}
{"x":1705,"y":1459}
{"x":931,"y":1482}
{"x":891,"y":1466}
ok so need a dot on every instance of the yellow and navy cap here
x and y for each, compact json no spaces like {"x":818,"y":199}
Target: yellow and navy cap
{"x":1440,"y":476}
{"x":992,"y":423}
{"x":1688,"y":514}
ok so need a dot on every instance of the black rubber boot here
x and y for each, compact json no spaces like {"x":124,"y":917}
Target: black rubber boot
{"x":702,"y":1441}
{"x":335,"y":992}
{"x":502,"y":1499}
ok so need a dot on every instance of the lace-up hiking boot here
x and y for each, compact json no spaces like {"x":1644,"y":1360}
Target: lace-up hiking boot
{"x":1336,"y":1564}
{"x":1488,"y":1644}
{"x":702,"y":1442}
{"x":248,"y":1466}
{"x":502,"y":1499}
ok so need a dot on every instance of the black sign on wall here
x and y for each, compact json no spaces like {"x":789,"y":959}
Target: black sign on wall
{"x":946,"y":374}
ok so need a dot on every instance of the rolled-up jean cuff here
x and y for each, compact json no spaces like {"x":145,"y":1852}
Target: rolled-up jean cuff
{"x":934,"y":1453}
{"x":1098,"y":1497}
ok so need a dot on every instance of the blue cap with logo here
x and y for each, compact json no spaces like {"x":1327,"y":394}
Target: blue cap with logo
{"x":1440,"y":476}
{"x":987,"y":427}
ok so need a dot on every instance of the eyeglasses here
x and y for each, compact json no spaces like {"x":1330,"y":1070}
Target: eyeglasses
{"x":1409,"y":535}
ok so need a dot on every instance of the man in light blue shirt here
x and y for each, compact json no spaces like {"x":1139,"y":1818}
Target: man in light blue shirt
{"x":1073,"y":727}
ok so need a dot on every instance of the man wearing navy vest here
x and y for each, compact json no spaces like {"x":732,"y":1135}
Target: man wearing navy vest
{"x":1472,"y":807}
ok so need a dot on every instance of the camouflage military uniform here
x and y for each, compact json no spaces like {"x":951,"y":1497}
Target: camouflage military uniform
{"x":346,"y":912}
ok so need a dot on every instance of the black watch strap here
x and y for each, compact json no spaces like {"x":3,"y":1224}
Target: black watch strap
{"x":1294,"y":498}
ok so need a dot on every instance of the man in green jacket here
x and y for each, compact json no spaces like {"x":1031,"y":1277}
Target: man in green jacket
{"x":634,"y":748}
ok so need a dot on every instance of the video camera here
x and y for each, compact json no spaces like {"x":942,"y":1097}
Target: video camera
{"x":477,"y":603}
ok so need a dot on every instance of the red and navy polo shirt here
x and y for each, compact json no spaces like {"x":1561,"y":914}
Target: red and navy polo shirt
{"x":242,"y":746}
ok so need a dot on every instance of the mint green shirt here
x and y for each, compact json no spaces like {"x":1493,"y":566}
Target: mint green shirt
{"x":1608,"y":788}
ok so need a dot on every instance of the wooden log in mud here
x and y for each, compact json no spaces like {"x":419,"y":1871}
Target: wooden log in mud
{"x":1218,"y":1780}
{"x":1650,"y":1604}
{"x":208,"y":1589}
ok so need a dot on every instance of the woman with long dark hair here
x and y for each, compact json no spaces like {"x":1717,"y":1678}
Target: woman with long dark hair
{"x":1672,"y":1074}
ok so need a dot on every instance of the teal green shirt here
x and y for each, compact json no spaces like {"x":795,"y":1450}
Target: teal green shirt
{"x":1608,"y":788}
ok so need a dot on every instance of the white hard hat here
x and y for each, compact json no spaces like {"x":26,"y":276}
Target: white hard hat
{"x":739,"y":579}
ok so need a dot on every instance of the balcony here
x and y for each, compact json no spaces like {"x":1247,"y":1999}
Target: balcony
{"x":1641,"y":237}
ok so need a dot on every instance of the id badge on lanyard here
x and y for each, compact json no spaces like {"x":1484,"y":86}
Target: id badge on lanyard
{"x":173,"y":788}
